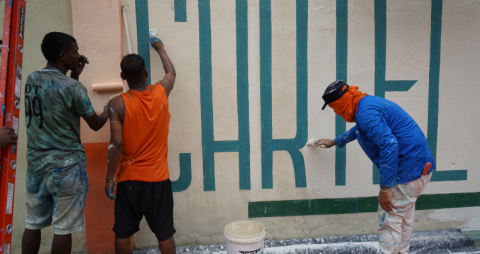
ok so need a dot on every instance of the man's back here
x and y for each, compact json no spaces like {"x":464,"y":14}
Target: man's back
{"x":53,"y":106}
{"x":139,"y":122}
{"x":378,"y":122}
{"x":145,"y":135}
{"x":399,"y":121}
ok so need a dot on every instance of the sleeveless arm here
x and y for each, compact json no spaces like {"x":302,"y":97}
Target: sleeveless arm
{"x":115,"y":108}
{"x":170,"y":74}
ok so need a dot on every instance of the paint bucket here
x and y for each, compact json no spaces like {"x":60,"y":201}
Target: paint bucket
{"x":244,"y":237}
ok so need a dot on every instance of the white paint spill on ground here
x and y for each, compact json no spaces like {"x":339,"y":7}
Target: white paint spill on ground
{"x":333,"y":248}
{"x":296,"y":249}
{"x":431,"y":242}
{"x":318,"y":248}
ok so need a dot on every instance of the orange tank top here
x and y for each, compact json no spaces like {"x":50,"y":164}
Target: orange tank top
{"x":145,"y":136}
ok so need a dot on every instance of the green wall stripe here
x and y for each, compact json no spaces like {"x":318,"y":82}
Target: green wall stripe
{"x":143,"y":33}
{"x":354,"y":205}
{"x":266,"y":92}
{"x":206,"y":108}
{"x":341,"y":63}
{"x":434,"y":75}
{"x":449,"y":175}
{"x":242,"y":94}
{"x":180,"y":10}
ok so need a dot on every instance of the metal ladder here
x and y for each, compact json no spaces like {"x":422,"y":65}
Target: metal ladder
{"x":10,"y":87}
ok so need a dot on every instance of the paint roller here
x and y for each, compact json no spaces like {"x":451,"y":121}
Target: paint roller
{"x":106,"y":87}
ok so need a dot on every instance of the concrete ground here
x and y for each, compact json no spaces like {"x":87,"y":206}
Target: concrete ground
{"x":425,"y":242}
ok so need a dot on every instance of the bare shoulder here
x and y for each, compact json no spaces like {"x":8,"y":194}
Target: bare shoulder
{"x":116,"y":107}
{"x":117,"y":104}
{"x":164,"y":82}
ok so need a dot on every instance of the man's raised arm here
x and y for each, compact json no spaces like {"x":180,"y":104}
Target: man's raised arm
{"x":170,"y":74}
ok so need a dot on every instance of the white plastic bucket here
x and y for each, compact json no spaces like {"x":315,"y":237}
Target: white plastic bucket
{"x":245,"y":237}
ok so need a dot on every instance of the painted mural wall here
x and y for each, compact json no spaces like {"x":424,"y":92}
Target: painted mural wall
{"x":247,"y":98}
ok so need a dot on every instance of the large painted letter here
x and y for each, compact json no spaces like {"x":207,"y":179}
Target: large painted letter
{"x":209,"y":145}
{"x":382,"y":86}
{"x":292,"y":146}
{"x":141,"y":10}
{"x":342,"y":56}
{"x":433,"y":91}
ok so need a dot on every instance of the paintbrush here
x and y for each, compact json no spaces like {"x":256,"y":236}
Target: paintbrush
{"x":313,"y":142}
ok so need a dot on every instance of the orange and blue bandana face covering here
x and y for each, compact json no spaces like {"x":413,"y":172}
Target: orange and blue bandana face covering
{"x":346,"y":106}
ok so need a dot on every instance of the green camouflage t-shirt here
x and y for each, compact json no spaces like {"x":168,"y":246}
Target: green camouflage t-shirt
{"x":53,"y":106}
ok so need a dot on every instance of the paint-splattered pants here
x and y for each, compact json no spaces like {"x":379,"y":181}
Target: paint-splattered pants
{"x":57,"y":198}
{"x":396,"y":227}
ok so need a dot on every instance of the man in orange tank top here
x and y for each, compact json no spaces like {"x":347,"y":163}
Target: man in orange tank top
{"x":139,"y":120}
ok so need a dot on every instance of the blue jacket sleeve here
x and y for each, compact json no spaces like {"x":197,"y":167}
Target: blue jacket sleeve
{"x":373,"y":123}
{"x":346,"y":137}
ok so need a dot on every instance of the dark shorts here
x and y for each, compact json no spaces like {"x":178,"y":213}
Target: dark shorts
{"x":136,"y":199}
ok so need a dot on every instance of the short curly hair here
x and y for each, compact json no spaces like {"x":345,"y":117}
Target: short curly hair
{"x":54,"y":43}
{"x":132,"y":66}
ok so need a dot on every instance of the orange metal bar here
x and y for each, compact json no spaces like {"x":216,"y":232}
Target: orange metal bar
{"x":5,"y":53}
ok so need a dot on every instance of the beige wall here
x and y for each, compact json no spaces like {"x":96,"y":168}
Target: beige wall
{"x":200,"y":216}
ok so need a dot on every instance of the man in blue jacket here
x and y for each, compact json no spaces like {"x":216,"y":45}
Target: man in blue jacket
{"x":397,"y":146}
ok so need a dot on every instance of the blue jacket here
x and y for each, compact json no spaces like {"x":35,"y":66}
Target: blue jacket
{"x":391,"y":139}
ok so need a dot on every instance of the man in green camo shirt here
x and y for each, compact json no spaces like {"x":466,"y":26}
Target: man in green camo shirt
{"x":57,"y":181}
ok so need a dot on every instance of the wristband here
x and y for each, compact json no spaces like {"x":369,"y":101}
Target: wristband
{"x":109,"y":180}
{"x":384,"y":190}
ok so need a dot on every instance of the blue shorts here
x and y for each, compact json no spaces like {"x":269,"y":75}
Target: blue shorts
{"x":57,"y":197}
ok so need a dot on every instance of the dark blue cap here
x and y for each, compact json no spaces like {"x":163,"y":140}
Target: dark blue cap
{"x":334,"y":91}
